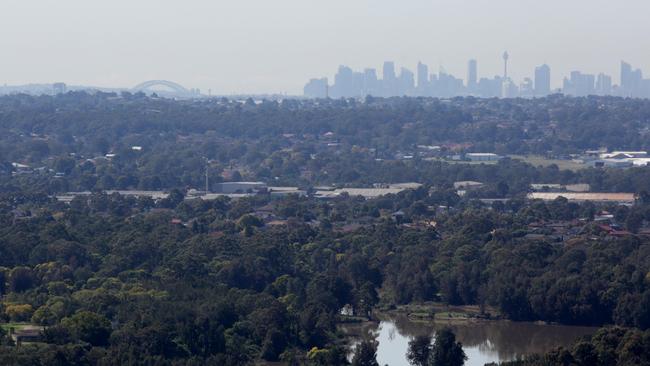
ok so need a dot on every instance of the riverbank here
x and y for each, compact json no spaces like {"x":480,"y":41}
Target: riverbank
{"x":436,"y":311}
{"x":426,"y":312}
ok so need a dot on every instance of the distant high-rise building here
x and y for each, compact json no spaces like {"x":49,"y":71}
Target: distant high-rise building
{"x":542,"y":80}
{"x":526,"y":89}
{"x":506,"y":56}
{"x":370,"y":82}
{"x":490,"y":88}
{"x":579,"y":84}
{"x":588,"y":84}
{"x":358,"y":85}
{"x":423,"y":77}
{"x":626,"y":72}
{"x":389,"y":81}
{"x":389,"y":71}
{"x":603,"y":84}
{"x":509,"y":89}
{"x":644,"y":88}
{"x":472,"y":75}
{"x":434,"y":85}
{"x":316,"y":88}
{"x":406,"y":83}
{"x":631,"y":80}
{"x":343,"y":83}
{"x":448,"y":86}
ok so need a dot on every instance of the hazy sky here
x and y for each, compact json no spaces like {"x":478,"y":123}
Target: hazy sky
{"x":257,"y":46}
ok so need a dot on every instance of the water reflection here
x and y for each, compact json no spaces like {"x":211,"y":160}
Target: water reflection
{"x":483,"y":342}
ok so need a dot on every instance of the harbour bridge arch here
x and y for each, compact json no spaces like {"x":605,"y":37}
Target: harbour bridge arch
{"x":147,"y":85}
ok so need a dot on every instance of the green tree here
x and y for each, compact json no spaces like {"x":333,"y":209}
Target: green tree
{"x":89,"y":327}
{"x":174,"y":199}
{"x":246,"y":223}
{"x":64,"y":165}
{"x":585,"y":354}
{"x":634,"y":221}
{"x":419,"y":350}
{"x":446,"y":351}
{"x":21,"y":279}
{"x":365,"y":354}
{"x":273,"y":345}
{"x":3,"y":282}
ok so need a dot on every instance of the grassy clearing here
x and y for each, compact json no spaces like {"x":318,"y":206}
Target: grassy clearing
{"x":436,"y":310}
{"x":537,"y":160}
{"x":450,"y":315}
{"x":493,"y":162}
{"x":16,"y":326}
{"x":421,"y":316}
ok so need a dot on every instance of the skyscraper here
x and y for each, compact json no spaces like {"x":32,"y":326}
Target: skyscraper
{"x":343,"y":83}
{"x":423,"y":77}
{"x":626,"y":72}
{"x":542,"y":80}
{"x":370,"y":82}
{"x":472,"y":75}
{"x":509,"y":89}
{"x":389,"y":79}
{"x":406,"y":82}
{"x":526,"y":89}
{"x":579,"y":84}
{"x":358,"y":84}
{"x":316,"y":88}
{"x":505,"y":65}
{"x":630,"y":80}
{"x":603,"y":84}
{"x":389,"y":71}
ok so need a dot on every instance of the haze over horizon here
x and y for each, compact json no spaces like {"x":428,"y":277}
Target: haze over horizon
{"x":257,"y":46}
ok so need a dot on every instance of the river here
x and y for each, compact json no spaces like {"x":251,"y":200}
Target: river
{"x":483,"y":342}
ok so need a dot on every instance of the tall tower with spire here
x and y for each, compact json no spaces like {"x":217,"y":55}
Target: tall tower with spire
{"x":505,"y":64}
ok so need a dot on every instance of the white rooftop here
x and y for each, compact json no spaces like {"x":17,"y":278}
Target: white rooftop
{"x":368,"y":192}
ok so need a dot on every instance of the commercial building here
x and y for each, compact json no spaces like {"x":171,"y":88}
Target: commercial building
{"x":239,"y":187}
{"x":286,"y":191}
{"x":579,"y":84}
{"x":624,"y":155}
{"x":620,"y":198}
{"x":542,"y":80}
{"x":316,"y":88}
{"x":367,"y":193}
{"x":616,"y":159}
{"x":423,"y":78}
{"x":482,"y":156}
{"x":472,"y":76}
{"x":154,"y":195}
{"x":467,"y":185}
{"x":603,"y":84}
{"x":611,"y":163}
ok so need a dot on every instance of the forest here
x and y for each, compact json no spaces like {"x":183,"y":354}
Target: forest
{"x":114,"y":280}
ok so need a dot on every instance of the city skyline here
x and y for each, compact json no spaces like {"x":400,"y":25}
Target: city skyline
{"x":422,"y":82}
{"x":350,"y":83}
{"x":260,"y":47}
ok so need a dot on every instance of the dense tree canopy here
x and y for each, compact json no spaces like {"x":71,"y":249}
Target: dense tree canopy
{"x":115,"y":279}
